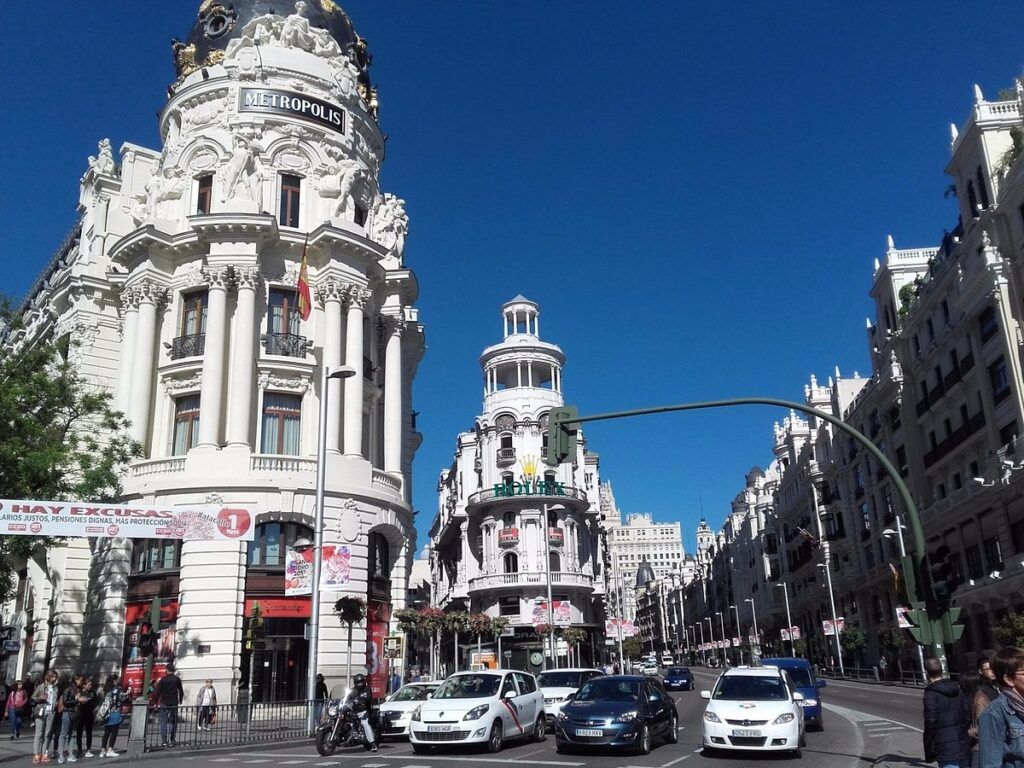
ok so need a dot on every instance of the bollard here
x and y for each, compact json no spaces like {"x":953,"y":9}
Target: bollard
{"x":137,"y":729}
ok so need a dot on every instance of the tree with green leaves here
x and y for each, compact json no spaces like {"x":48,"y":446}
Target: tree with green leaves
{"x":573,"y":636}
{"x":1009,"y":630}
{"x":456,"y":622}
{"x":350,"y":610}
{"x":633,"y":648}
{"x":62,"y":439}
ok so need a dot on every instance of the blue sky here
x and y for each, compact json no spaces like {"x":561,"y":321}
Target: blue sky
{"x":694,"y":193}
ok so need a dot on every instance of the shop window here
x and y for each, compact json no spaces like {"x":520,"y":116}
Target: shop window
{"x":282,"y":418}
{"x":270,"y":541}
{"x":204,"y":193}
{"x":155,"y":555}
{"x":290,"y":187}
{"x":186,"y":424}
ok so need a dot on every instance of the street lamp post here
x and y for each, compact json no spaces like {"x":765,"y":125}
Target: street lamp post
{"x":789,"y":619}
{"x":343,"y":372}
{"x":721,"y":625}
{"x":619,"y":598}
{"x":547,"y":573}
{"x":711,"y":630}
{"x":757,"y":635}
{"x":898,"y":533}
{"x":739,"y":633}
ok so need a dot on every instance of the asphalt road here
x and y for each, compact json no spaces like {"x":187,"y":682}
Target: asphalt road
{"x":865,"y":725}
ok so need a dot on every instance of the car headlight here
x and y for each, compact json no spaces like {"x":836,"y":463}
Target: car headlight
{"x":785,"y":717}
{"x":416,"y":714}
{"x":711,"y":717}
{"x":625,"y":717}
{"x":809,"y":702}
{"x":477,"y":712}
{"x":562,"y":715}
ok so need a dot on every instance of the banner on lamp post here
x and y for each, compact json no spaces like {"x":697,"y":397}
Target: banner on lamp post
{"x":901,"y":617}
{"x":829,"y":629}
{"x":335,"y":570}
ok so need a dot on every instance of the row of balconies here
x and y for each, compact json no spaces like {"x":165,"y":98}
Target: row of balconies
{"x":944,"y":385}
{"x":509,"y":537}
{"x":513,"y":581}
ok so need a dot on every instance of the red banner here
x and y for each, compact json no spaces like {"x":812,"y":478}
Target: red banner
{"x":136,"y":627}
{"x":378,"y":616}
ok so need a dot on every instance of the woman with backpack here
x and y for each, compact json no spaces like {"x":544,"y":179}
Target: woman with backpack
{"x":110,"y":715}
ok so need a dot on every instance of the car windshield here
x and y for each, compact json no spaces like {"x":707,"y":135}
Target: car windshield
{"x":469,"y":687}
{"x":559,"y":679}
{"x":609,"y":689}
{"x":412,"y":693}
{"x":800,"y":675}
{"x":750,"y":688}
{"x":678,"y":671}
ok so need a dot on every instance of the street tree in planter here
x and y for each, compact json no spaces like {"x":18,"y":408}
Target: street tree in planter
{"x":431,"y":623}
{"x":891,"y":643}
{"x":350,"y":610}
{"x":408,"y":620}
{"x":573,"y":636}
{"x":853,"y":640}
{"x":633,"y":648}
{"x":498,"y":626}
{"x":456,"y":622}
{"x":479,"y":624}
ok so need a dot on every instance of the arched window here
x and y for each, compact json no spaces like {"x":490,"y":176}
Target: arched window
{"x":511,"y":562}
{"x":554,"y":562}
{"x":380,"y":557}
{"x":506,"y":440}
{"x":508,"y":519}
{"x":267,"y":548}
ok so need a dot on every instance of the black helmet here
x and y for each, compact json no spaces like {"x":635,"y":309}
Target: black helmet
{"x":359,"y":682}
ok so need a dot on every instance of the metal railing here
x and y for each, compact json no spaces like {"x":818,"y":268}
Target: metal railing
{"x":888,"y":676}
{"x":227,"y":724}
{"x":286,"y":344}
{"x":191,"y":345}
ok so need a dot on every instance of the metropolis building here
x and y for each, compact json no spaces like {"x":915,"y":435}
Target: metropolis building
{"x":177,"y":292}
{"x":489,"y":549}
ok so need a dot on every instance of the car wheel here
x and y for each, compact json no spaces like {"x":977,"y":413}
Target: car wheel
{"x":540,"y":729}
{"x":803,"y":738}
{"x":643,"y":743}
{"x":710,"y":752}
{"x":422,"y":749}
{"x":673,"y":730}
{"x":494,"y":741}
{"x":563,"y":749}
{"x":819,"y":726}
{"x":798,"y":754}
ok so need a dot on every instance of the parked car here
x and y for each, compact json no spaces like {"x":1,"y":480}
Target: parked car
{"x":809,"y":684}
{"x":479,"y":708}
{"x":558,"y":684}
{"x":398,"y":707}
{"x":754,"y":708}
{"x":617,"y":711}
{"x":679,"y":679}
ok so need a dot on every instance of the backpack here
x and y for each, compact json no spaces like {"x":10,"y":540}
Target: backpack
{"x":105,"y":707}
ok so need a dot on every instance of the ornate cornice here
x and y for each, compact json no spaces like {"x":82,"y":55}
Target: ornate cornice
{"x":273,"y":381}
{"x":176,"y":385}
{"x":219,"y":277}
{"x":359,"y":297}
{"x":332,"y":290}
{"x":248,"y":277}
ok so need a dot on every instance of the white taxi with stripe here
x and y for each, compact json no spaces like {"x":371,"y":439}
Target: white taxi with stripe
{"x":486,"y":707}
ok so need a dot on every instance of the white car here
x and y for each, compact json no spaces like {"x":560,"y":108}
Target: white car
{"x":754,"y":708}
{"x":650,"y":669}
{"x":398,"y":707}
{"x":557,"y":684}
{"x":480,"y":708}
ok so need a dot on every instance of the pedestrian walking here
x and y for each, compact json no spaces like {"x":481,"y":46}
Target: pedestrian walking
{"x":68,"y":708}
{"x":970,"y":684}
{"x":1001,"y":726}
{"x":947,"y":717}
{"x":169,"y":695}
{"x":45,"y":700}
{"x":110,"y":714}
{"x":320,"y":694}
{"x":15,"y":708}
{"x":988,"y":688}
{"x":206,"y":702}
{"x":86,"y":716}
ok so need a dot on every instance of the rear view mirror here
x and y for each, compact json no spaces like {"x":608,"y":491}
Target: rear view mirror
{"x":705,"y":694}
{"x":570,"y":697}
{"x":509,"y":695}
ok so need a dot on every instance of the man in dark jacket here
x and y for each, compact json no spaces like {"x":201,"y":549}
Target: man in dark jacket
{"x":947,"y":714}
{"x":169,"y":695}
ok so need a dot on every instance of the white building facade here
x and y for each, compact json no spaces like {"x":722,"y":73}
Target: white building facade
{"x":639,"y":539}
{"x":178,"y":290}
{"x":490,"y":549}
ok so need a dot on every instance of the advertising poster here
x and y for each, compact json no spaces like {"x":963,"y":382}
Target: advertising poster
{"x":335,"y":570}
{"x":828,"y":628}
{"x":378,"y":615}
{"x":561,"y":613}
{"x":137,"y":628}
{"x":83,"y":519}
{"x":901,"y":617}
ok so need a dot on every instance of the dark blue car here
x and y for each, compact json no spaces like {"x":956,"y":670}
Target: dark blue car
{"x":678,"y":679}
{"x":802,"y":674}
{"x":617,"y":711}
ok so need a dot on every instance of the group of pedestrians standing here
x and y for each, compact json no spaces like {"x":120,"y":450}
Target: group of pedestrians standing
{"x":63,"y":711}
{"x":978,"y":723}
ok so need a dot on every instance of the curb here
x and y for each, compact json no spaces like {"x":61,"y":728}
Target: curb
{"x":125,"y":757}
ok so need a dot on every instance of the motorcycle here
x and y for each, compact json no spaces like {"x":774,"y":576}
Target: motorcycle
{"x":342,"y":728}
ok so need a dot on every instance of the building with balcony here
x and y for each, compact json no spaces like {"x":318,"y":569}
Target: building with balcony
{"x":177,"y":292}
{"x":506,"y":520}
{"x":640,"y":539}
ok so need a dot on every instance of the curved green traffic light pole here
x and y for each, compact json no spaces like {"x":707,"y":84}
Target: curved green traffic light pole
{"x":910,"y":569}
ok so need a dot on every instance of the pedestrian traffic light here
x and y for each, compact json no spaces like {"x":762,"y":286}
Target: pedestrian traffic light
{"x":941,"y":574}
{"x":562,"y":431}
{"x":256,"y":632}
{"x":147,"y":641}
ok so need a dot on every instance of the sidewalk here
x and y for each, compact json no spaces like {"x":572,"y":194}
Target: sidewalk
{"x":902,"y":749}
{"x":21,"y":749}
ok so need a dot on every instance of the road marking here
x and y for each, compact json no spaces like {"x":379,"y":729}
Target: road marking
{"x":293,"y":762}
{"x":698,"y":749}
{"x":862,"y":718}
{"x":677,"y":760}
{"x":225,"y":760}
{"x":376,"y":765}
{"x":405,"y":756}
{"x":251,"y":762}
{"x":890,"y":690}
{"x":319,"y":765}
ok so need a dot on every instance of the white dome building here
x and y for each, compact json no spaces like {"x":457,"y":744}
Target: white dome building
{"x":180,"y":286}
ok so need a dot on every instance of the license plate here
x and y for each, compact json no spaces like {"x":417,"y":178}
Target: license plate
{"x":439,"y":728}
{"x":745,"y":732}
{"x":589,"y":732}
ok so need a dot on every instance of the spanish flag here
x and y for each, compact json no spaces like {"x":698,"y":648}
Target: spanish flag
{"x":305,"y":304}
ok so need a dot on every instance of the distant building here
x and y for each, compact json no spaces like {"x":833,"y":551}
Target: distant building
{"x":639,"y":539}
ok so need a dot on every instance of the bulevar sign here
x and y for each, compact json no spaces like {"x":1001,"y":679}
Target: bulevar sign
{"x":20,"y":517}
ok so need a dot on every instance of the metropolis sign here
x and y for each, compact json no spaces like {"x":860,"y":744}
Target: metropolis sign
{"x":297,"y":105}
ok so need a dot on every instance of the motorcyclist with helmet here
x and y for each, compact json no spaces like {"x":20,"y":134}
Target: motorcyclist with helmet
{"x":361,"y":701}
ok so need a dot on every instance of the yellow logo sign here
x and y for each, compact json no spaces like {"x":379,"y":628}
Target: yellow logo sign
{"x":529,"y":465}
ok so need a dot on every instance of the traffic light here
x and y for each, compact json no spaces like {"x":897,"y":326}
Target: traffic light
{"x":147,"y":640}
{"x":562,"y":431}
{"x":941,"y":574}
{"x":256,"y":633}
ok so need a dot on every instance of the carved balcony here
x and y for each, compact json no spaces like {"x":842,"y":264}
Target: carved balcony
{"x":506,"y":456}
{"x":192,"y":345}
{"x":285,"y":344}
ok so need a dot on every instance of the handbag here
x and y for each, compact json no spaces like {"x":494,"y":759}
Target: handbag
{"x":38,"y":708}
{"x":114,"y":717}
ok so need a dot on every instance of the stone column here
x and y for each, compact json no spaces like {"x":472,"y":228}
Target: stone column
{"x":332,"y":294}
{"x":394,"y":327}
{"x":358,"y":299}
{"x":211,"y":398}
{"x":130,"y":322}
{"x":149,"y":295}
{"x":243,"y":359}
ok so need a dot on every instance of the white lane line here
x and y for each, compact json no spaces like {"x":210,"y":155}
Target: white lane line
{"x":375,"y":765}
{"x":293,"y":762}
{"x":677,"y":760}
{"x":861,"y":718}
{"x":698,"y":749}
{"x":253,"y":762}
{"x":324,"y":765}
{"x":225,"y":760}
